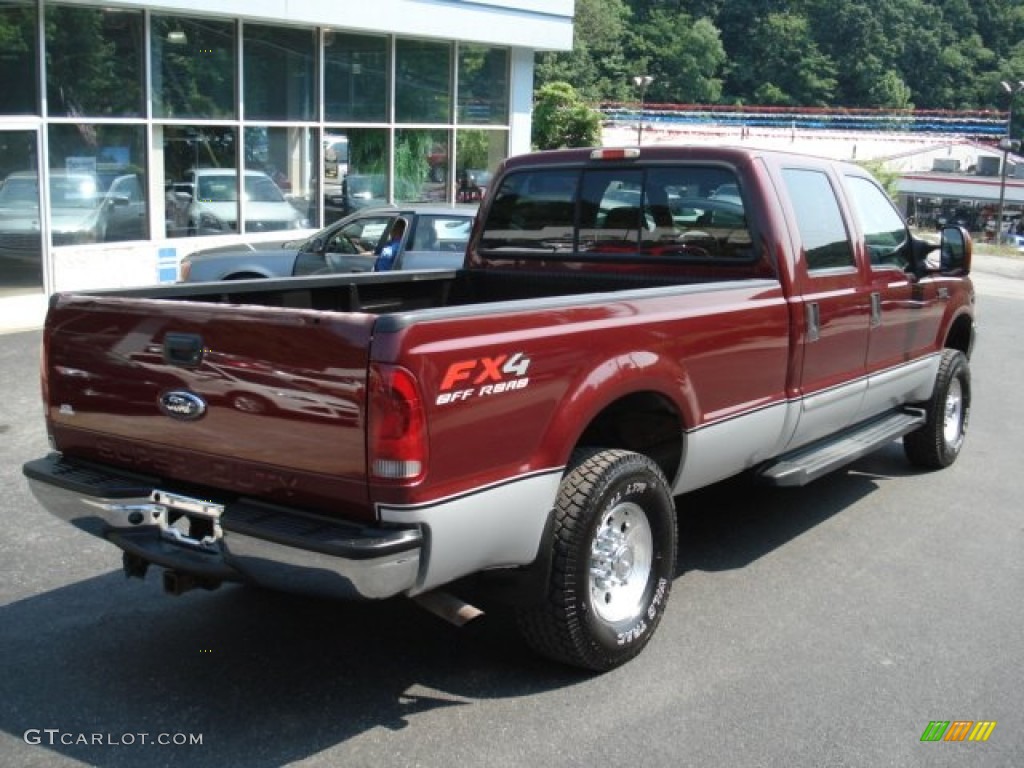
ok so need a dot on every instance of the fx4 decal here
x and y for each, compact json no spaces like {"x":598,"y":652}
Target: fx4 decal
{"x":483,"y":377}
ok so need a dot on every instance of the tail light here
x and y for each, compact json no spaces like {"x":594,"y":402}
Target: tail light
{"x":397,"y":425}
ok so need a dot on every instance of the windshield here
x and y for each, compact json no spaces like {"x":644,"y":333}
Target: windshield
{"x":20,"y":192}
{"x":73,"y":191}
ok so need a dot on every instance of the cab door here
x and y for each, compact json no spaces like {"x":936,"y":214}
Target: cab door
{"x":906,"y":311}
{"x":829,"y":306}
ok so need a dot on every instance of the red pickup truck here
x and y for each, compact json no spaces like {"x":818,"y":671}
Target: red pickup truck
{"x":629,"y":325}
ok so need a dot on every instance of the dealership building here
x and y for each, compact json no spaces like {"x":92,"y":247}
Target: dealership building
{"x":124,"y":125}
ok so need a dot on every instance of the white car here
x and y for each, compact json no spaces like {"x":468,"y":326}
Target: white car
{"x":213,"y":208}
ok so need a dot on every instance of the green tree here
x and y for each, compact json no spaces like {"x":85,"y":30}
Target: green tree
{"x":597,"y":64}
{"x":686,"y":57}
{"x":783,"y":65}
{"x":562,"y":119}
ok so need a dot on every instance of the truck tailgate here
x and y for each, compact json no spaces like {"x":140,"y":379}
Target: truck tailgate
{"x":250,"y":401}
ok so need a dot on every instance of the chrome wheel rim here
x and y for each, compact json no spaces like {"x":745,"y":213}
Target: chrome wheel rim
{"x":953,"y":416}
{"x":621,"y":557}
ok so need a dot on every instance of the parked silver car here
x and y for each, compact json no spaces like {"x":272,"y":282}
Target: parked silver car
{"x":434,"y":237}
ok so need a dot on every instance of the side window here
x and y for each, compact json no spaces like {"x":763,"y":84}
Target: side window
{"x":441,"y":233}
{"x":359,"y":236}
{"x":820,"y":221}
{"x":885,"y":234}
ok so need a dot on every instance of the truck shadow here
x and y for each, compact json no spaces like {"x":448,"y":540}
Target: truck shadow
{"x":731,"y":524}
{"x":266,"y":678}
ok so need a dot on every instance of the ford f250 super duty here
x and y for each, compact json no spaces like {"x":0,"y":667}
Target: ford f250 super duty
{"x":628,"y":325}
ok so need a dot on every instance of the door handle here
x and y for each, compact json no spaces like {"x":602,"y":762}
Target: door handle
{"x":813,"y":321}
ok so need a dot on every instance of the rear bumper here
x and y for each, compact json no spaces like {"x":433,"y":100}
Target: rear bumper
{"x":247,"y":541}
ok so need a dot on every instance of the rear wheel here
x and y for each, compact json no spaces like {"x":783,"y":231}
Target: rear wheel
{"x":937,"y":443}
{"x":613,"y":559}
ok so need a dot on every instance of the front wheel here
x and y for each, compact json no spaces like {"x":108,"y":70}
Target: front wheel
{"x":613,"y":559}
{"x":936,"y":444}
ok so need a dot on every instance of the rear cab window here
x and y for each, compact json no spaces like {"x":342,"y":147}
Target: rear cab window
{"x":686,"y":213}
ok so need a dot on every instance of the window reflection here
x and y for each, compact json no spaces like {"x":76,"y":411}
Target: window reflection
{"x":279,"y":73}
{"x":287,"y":156}
{"x":18,"y":55}
{"x":479,"y":153}
{"x":93,"y":62}
{"x":423,"y":81}
{"x":355,"y":170}
{"x":21,"y":246}
{"x":193,"y":67}
{"x":483,"y":85}
{"x":186,"y":149}
{"x":421,"y":165}
{"x":97,"y":183}
{"x":355,"y":77}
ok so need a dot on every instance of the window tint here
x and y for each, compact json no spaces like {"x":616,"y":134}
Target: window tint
{"x":655,"y":212}
{"x":825,"y":240}
{"x":885,"y":234}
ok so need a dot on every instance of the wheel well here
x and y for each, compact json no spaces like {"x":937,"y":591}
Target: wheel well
{"x":244,"y":276}
{"x":960,"y":335}
{"x":644,"y":422}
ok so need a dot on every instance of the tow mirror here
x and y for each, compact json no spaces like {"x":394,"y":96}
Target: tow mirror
{"x":955,"y":249}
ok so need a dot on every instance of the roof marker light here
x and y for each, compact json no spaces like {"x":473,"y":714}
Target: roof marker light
{"x":615,"y":153}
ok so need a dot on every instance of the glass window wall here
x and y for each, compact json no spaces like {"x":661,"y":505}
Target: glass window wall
{"x":18,"y":57}
{"x":287,"y":156}
{"x":483,"y":85}
{"x":97,"y":183}
{"x":200,"y":179}
{"x":421,"y":165}
{"x":423,"y":81}
{"x":21,"y":243}
{"x":193,"y":68}
{"x":479,"y":152}
{"x":279,"y":73}
{"x":94,"y":62}
{"x":356,"y":76}
{"x":355,"y":170}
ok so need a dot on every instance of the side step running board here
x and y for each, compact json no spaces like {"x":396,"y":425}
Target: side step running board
{"x":812,"y":461}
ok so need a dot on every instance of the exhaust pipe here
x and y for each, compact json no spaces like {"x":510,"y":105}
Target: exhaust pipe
{"x":448,"y":607}
{"x":176,"y":583}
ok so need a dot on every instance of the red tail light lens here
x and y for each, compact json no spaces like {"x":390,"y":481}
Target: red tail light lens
{"x":397,"y":425}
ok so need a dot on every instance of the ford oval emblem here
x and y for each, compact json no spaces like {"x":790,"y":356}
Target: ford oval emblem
{"x":179,"y":404}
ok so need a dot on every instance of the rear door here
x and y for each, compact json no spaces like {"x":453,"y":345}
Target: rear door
{"x":830,"y":305}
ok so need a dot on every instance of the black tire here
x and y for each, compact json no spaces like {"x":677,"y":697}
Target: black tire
{"x":613,"y":559}
{"x":937,"y":443}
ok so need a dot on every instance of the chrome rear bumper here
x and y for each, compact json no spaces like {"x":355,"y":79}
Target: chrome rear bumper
{"x":240,"y":540}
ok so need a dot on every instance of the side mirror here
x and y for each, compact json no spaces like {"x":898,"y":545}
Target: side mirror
{"x":955,"y":249}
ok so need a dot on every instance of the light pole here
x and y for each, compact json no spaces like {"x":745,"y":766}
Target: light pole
{"x":641,"y":82}
{"x":1006,"y":144}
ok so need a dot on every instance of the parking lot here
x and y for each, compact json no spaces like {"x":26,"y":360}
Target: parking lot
{"x":823,"y":626}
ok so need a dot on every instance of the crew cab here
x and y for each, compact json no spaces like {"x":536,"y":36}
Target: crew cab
{"x":621,"y":332}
